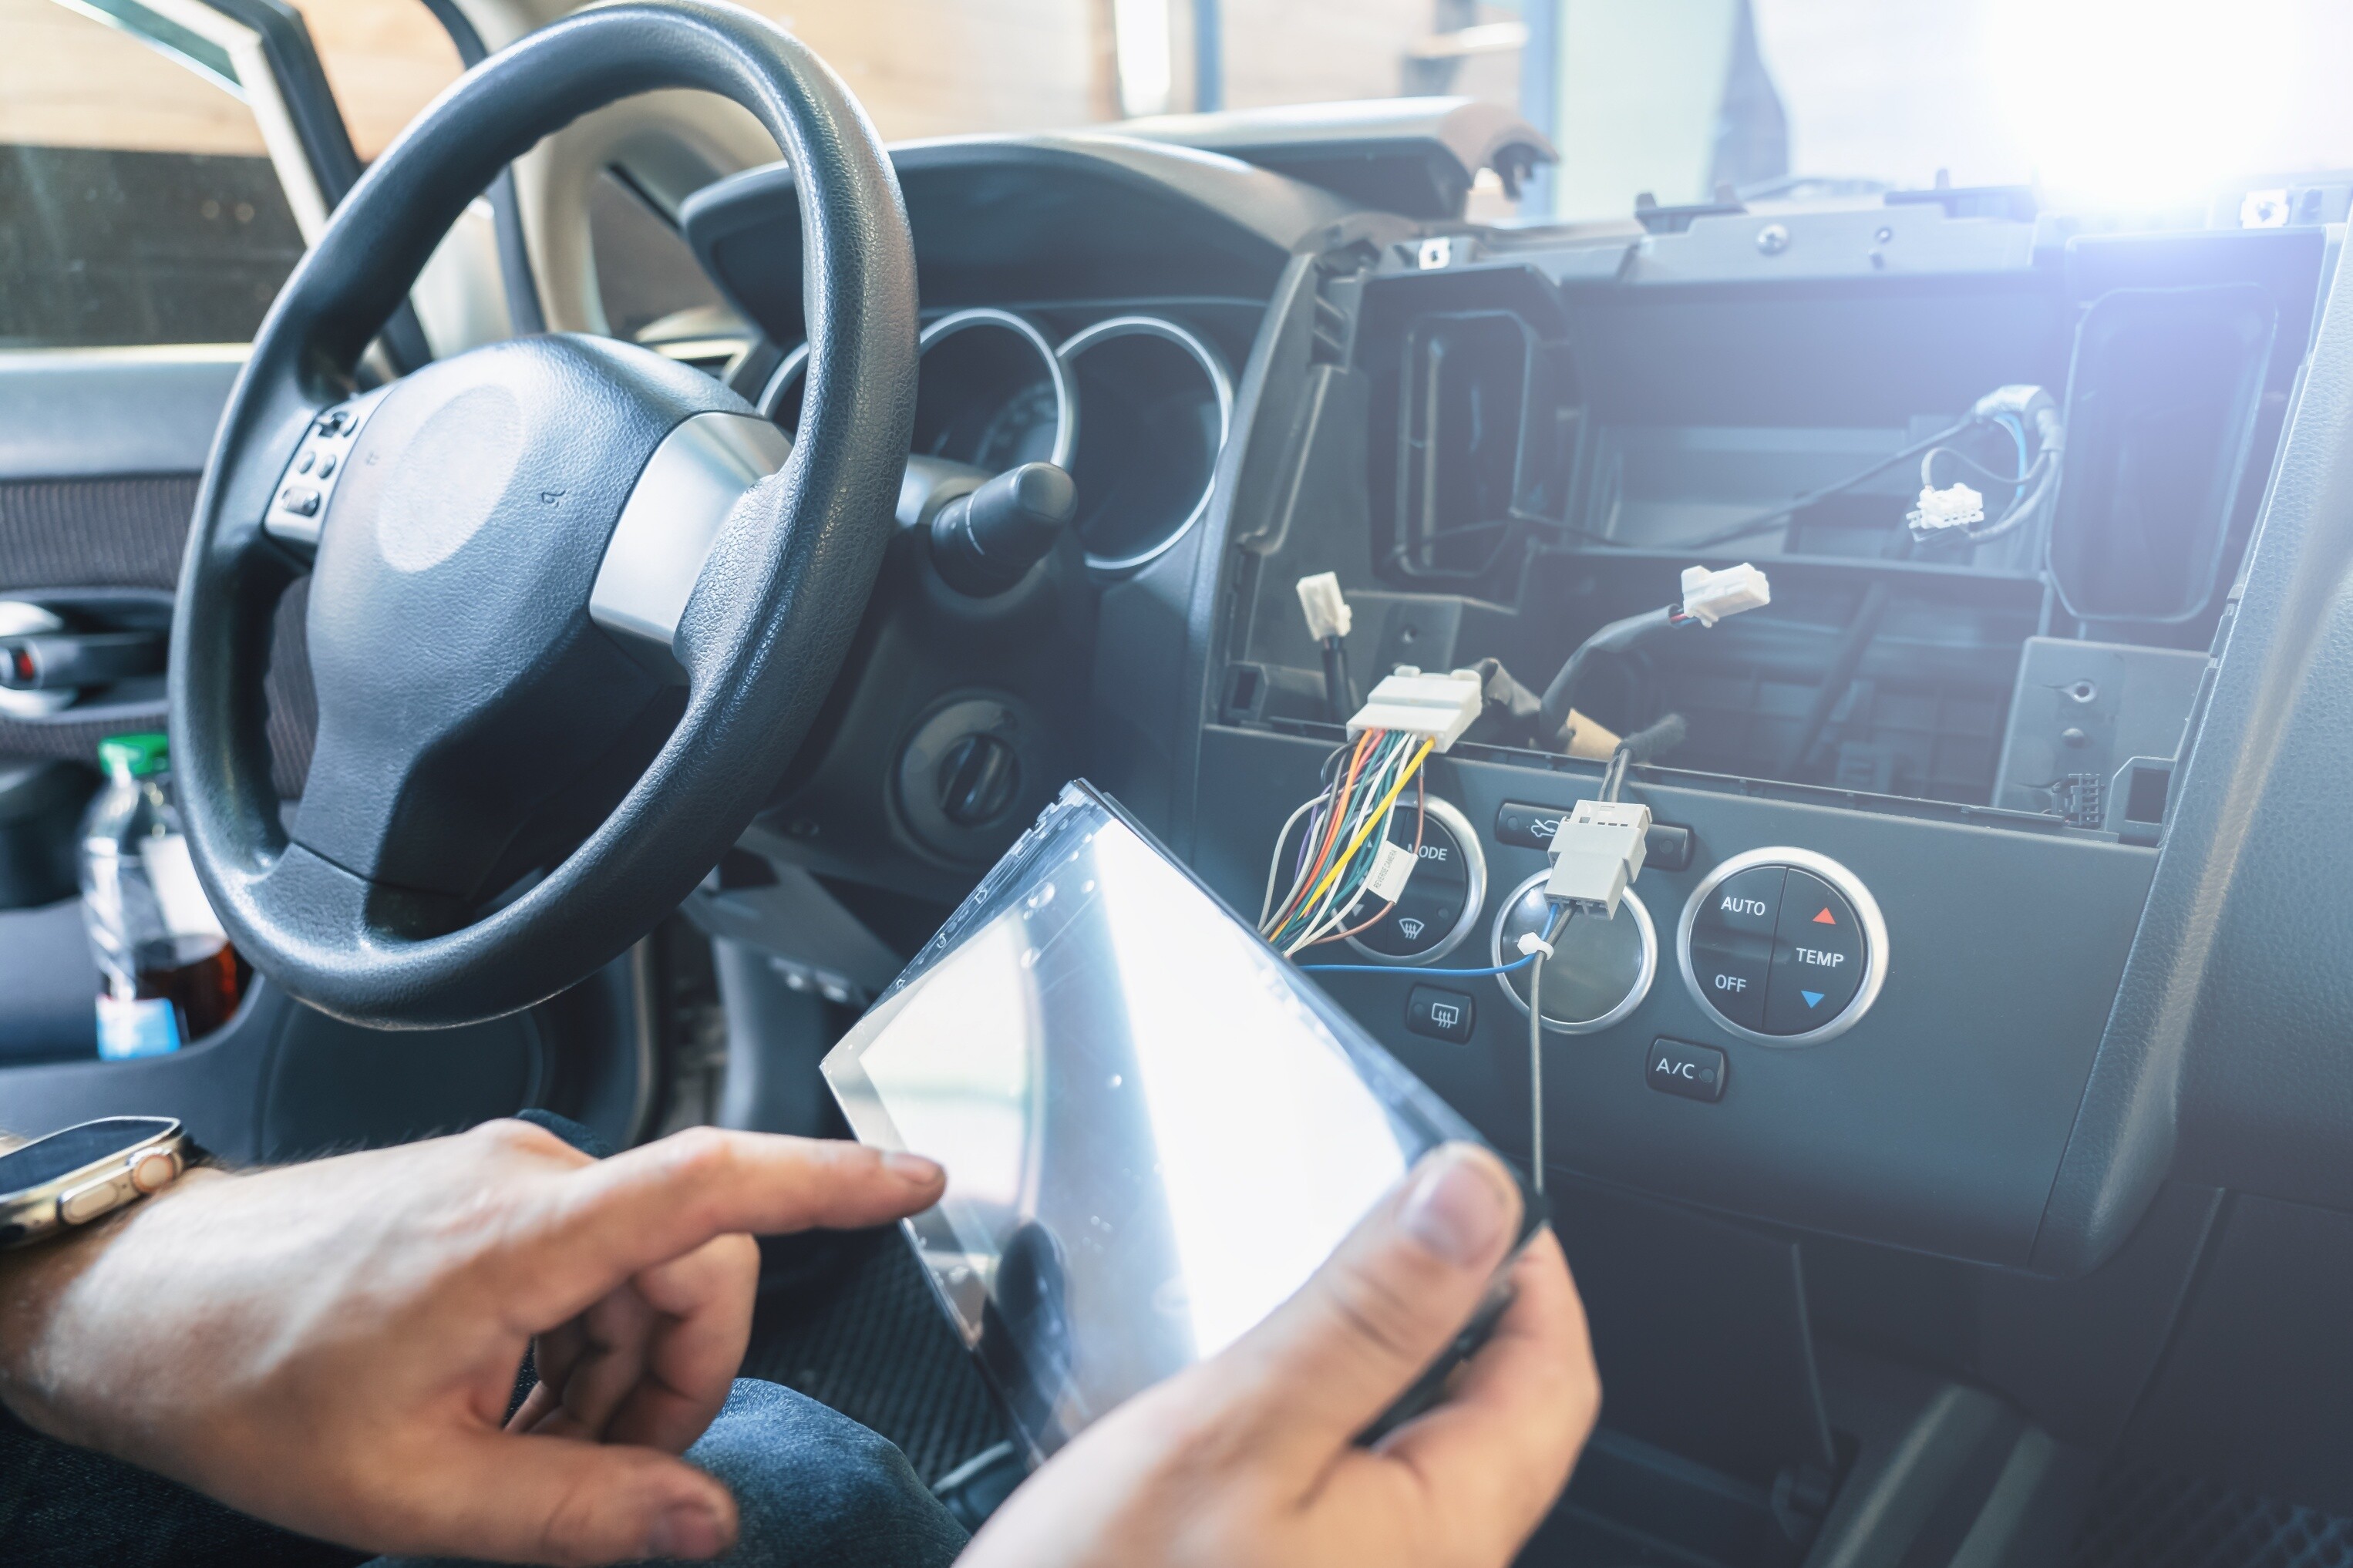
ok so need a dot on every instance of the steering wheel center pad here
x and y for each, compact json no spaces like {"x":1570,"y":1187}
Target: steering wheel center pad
{"x":468,"y":705}
{"x":460,"y":682}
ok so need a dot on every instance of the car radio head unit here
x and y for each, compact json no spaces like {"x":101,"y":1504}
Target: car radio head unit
{"x":1155,"y":1129}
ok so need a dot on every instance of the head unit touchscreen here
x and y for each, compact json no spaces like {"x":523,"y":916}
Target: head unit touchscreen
{"x":1155,"y":1129}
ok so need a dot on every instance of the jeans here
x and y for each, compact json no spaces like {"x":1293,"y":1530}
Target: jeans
{"x":812,"y":1488}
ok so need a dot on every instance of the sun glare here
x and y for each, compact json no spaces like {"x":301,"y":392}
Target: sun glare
{"x":2128,"y":102}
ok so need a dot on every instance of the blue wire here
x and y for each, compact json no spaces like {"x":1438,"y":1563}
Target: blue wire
{"x":1552,"y":923}
{"x":2017,"y":434}
{"x":1409,"y":969}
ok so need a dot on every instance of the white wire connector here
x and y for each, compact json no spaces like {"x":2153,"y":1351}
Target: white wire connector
{"x":1956,"y":506}
{"x":1410,"y":702}
{"x":1326,"y":608}
{"x":1597,"y":852}
{"x":1710,"y":596}
{"x":1392,"y":868}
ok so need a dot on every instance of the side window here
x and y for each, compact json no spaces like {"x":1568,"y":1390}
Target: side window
{"x":384,"y":60}
{"x":138,"y":201}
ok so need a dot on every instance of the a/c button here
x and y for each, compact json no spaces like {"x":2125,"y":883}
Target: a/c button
{"x":1695,"y":1072}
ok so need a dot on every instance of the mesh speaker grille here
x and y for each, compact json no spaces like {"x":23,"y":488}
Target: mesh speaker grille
{"x":2145,"y":1519}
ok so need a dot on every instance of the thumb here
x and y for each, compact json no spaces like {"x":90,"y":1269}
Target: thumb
{"x":513,"y":1498}
{"x":1380,"y":1310}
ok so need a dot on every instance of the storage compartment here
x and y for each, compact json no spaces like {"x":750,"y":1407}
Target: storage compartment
{"x":2164,"y":393}
{"x":1481,"y":440}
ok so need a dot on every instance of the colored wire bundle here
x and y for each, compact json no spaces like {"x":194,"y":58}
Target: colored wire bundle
{"x":1346,"y":826}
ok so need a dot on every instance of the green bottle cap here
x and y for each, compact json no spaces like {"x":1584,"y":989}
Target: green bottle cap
{"x":135,"y":756}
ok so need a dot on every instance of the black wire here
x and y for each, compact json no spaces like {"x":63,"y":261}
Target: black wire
{"x":1656,"y":739}
{"x":1765,"y":522}
{"x":1400,"y":556}
{"x":1845,"y":660}
{"x":1966,"y":461}
{"x":1339,"y":690}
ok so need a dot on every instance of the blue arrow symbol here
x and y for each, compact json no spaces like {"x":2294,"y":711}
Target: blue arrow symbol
{"x":1813,"y":998}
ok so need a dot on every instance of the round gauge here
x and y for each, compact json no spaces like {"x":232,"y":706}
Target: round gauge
{"x":1156,"y":407}
{"x":991,"y":393}
{"x":1599,"y":970}
{"x":1022,"y":430}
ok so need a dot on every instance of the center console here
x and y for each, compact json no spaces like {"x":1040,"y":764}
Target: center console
{"x":1899,"y":858}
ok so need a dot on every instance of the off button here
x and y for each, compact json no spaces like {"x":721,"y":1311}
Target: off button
{"x":1733,"y":972}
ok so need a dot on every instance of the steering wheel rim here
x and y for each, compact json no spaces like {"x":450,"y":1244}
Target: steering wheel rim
{"x":759,"y":640}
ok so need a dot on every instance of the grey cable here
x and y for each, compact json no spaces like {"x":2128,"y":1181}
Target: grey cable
{"x":1556,"y":920}
{"x":1535,"y":1072}
{"x":1614,"y":773}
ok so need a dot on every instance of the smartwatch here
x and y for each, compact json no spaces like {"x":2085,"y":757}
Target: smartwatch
{"x":73,"y":1177}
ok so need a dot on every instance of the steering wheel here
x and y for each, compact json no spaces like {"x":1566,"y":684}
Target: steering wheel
{"x":561,"y":609}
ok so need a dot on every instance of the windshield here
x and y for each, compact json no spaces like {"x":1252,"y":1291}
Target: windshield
{"x":2101,"y":102}
{"x":2098,"y":103}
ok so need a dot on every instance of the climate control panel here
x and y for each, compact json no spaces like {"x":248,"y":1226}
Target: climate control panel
{"x":1783,"y":946}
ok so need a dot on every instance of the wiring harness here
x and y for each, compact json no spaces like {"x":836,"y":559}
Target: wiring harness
{"x":1956,"y":514}
{"x":1346,"y":851}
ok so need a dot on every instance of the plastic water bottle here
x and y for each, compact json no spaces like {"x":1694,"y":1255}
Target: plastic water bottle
{"x":166,"y":971}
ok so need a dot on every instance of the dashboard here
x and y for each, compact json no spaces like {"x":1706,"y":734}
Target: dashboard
{"x":1954,"y":857}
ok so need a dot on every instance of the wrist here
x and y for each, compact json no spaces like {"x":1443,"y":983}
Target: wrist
{"x":35,"y":1285}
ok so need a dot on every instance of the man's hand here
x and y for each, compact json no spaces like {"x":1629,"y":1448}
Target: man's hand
{"x":331,"y":1347}
{"x":1247,"y":1459}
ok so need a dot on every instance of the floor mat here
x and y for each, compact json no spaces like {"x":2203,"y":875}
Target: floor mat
{"x":2142,"y":1518}
{"x":867,"y":1337}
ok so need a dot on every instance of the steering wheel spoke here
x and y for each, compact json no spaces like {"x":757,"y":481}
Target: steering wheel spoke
{"x":694,"y":481}
{"x":572,"y":604}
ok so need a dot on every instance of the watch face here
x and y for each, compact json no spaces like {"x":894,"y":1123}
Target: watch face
{"x":62,"y":1153}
